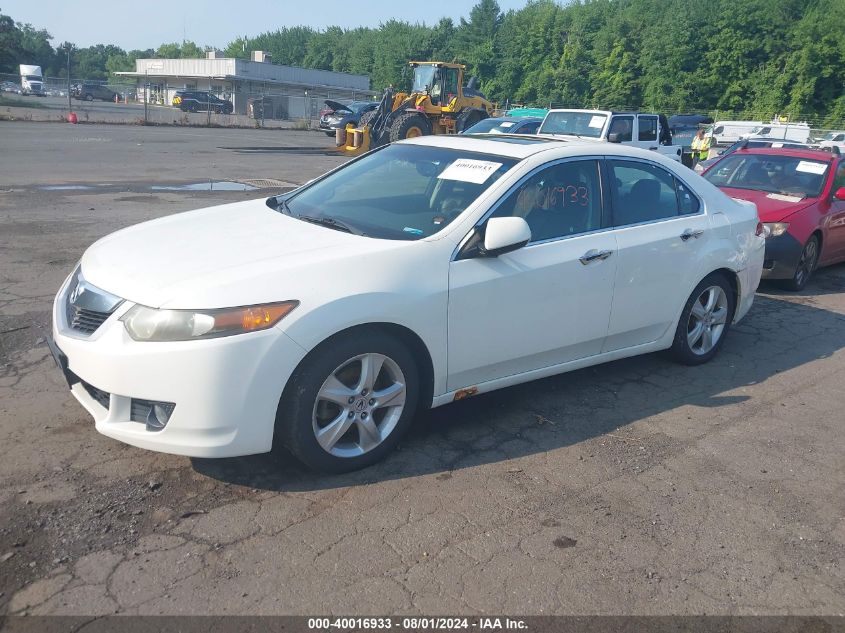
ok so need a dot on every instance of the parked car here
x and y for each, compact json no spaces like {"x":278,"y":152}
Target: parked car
{"x":637,"y":129}
{"x":506,"y":125}
{"x":338,"y":115}
{"x":201,"y":101}
{"x":91,"y":91}
{"x":424,"y":272}
{"x":800,"y":196}
{"x":833,"y":139}
{"x":704,"y":165}
{"x":9,"y":86}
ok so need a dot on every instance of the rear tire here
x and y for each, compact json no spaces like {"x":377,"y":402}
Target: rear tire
{"x":409,"y":125}
{"x":336,"y":417}
{"x":705,"y":321}
{"x":806,"y":266}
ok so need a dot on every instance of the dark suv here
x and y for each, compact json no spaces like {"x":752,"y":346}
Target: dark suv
{"x":201,"y":101}
{"x":89,"y":92}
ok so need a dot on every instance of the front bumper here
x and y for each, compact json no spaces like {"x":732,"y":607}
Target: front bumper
{"x":782,"y":255}
{"x":226,"y":390}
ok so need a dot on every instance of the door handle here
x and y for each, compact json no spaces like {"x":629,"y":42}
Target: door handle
{"x":594,"y":255}
{"x":688,"y":233}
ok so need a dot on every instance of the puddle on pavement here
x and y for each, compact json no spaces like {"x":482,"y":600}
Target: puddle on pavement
{"x":66,"y":188}
{"x":223,"y":185}
{"x":220,"y":185}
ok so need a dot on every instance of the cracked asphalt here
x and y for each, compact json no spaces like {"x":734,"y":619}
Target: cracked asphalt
{"x":637,"y":487}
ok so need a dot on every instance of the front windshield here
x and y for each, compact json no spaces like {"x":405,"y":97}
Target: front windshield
{"x":573,"y":123}
{"x":359,"y":106}
{"x":423,"y":78}
{"x":33,"y":78}
{"x":786,"y":175}
{"x":401,"y":192}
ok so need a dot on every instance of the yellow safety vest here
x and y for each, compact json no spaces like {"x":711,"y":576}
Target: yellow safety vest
{"x":701,"y":146}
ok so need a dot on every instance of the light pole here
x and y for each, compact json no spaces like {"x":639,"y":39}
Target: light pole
{"x":69,"y":107}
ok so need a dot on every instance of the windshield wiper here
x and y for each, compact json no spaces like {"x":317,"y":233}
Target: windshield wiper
{"x":330,"y":223}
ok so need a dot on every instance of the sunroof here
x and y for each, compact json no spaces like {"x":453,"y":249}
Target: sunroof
{"x":517,"y":139}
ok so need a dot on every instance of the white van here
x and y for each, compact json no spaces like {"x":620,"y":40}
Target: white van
{"x":729,"y":132}
{"x":798,"y":132}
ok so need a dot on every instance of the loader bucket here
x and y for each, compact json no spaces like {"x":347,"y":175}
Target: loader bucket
{"x":353,"y":141}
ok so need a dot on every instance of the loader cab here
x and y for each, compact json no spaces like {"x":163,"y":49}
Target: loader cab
{"x":442,"y":82}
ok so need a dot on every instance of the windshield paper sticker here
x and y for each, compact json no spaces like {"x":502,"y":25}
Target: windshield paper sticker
{"x":597,"y":121}
{"x":468,"y":170}
{"x":784,"y":198}
{"x":810,"y":167}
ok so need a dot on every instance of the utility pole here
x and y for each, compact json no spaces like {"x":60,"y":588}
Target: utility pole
{"x":69,"y":107}
{"x":146,"y":92}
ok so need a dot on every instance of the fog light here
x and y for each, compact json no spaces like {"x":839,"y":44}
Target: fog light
{"x":154,"y":414}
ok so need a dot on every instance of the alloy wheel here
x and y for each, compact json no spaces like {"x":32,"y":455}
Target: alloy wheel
{"x":807,"y":263}
{"x":359,"y":405}
{"x":707,"y":320}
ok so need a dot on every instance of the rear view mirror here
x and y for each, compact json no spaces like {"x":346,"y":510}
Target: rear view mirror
{"x":503,"y":235}
{"x":840,"y":193}
{"x":426,"y":168}
{"x":614,"y":137}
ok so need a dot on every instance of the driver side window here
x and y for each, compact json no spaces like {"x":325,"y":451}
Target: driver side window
{"x":558,"y":201}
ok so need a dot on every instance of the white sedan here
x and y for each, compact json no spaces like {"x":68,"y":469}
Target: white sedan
{"x":421,"y":273}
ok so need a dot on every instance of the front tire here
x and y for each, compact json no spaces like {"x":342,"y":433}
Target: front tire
{"x":705,"y":321}
{"x":409,"y":125}
{"x":348,"y":403}
{"x":806,"y":266}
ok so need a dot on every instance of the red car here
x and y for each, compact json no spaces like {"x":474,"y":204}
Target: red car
{"x":800,"y":198}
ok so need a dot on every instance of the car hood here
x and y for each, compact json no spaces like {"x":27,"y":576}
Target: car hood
{"x":236,"y":254}
{"x":337,"y":106}
{"x":771,"y":207}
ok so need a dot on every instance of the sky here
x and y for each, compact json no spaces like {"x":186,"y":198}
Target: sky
{"x":143,"y":24}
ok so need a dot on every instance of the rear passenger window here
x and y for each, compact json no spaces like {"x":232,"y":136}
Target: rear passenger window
{"x":648,"y":128}
{"x":644,"y":192}
{"x":687,"y":202}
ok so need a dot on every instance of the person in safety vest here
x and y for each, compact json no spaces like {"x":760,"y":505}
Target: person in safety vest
{"x":700,"y":147}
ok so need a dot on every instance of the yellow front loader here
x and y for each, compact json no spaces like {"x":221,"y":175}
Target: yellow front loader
{"x":438,"y":103}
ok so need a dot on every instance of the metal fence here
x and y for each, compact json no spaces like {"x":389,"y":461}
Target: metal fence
{"x":271,"y":103}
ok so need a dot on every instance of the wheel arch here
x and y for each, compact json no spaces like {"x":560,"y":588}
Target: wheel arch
{"x":733,"y":279}
{"x":415,"y":344}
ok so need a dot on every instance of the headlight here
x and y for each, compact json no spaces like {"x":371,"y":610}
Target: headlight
{"x":775,"y":229}
{"x":148,"y":324}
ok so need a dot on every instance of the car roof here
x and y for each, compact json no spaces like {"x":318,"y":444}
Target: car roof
{"x":522,"y":146}
{"x":514,"y":119}
{"x":809,"y":154}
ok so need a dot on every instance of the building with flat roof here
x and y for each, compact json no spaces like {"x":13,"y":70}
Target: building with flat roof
{"x":294,"y":92}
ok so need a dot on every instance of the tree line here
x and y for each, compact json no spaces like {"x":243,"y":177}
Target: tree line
{"x":753,"y":58}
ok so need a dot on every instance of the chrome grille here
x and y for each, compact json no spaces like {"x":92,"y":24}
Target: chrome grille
{"x":85,"y":321}
{"x":86,"y":306}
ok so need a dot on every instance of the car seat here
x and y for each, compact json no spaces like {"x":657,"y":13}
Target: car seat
{"x":640,"y":203}
{"x":757,"y":175}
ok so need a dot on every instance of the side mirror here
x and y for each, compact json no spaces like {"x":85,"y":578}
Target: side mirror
{"x":503,"y":235}
{"x":840,"y":193}
{"x":614,"y":137}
